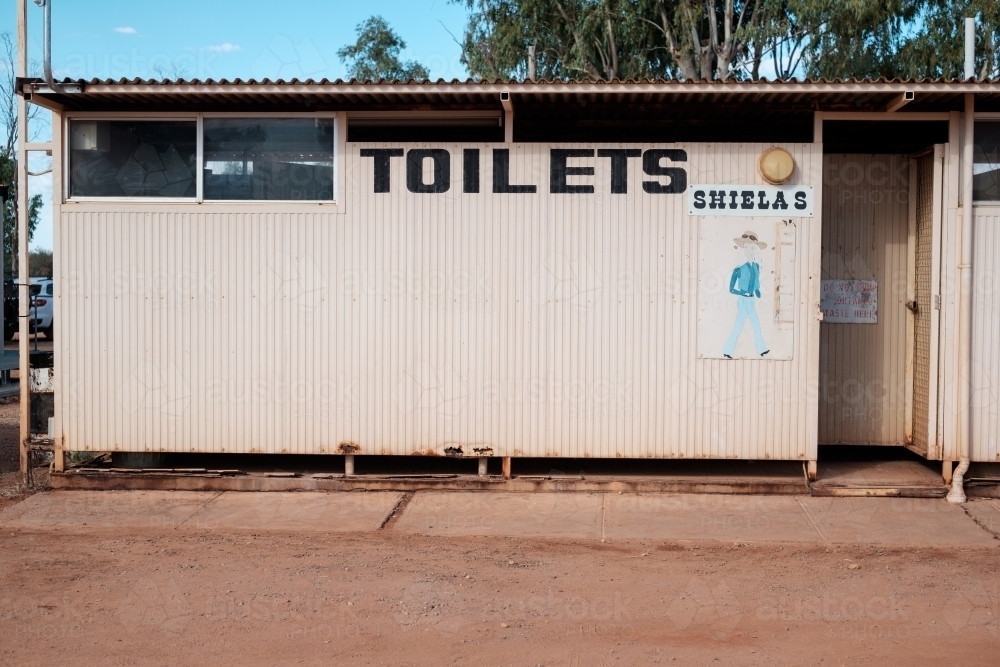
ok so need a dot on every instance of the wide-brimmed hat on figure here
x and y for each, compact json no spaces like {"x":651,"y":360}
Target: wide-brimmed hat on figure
{"x":750,"y":237}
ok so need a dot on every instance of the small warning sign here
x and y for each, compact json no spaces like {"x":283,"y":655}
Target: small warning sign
{"x":849,"y":301}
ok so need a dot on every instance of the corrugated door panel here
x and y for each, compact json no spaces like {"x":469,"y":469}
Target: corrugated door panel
{"x":985,"y":395}
{"x":863,"y":366}
{"x":922,"y":317}
{"x":507,"y":324}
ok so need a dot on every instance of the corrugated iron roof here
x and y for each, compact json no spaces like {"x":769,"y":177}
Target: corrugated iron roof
{"x":542,"y":82}
{"x":268,"y":95}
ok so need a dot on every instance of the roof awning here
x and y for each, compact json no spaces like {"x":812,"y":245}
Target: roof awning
{"x":237,"y":95}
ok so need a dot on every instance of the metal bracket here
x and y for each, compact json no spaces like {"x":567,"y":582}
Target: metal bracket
{"x":900,"y":101}
{"x":508,"y":117}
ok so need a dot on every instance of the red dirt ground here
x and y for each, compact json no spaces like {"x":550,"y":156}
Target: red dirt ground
{"x":162,"y":598}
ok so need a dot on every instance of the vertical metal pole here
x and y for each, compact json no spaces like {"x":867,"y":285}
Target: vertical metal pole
{"x":964,"y":407}
{"x":22,"y":240}
{"x":970,"y":48}
{"x":59,"y":454}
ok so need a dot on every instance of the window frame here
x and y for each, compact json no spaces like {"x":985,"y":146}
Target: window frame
{"x":68,"y":155}
{"x":199,"y":119}
{"x":988,"y":117}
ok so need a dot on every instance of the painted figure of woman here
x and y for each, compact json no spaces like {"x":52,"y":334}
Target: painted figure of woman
{"x":745,"y":284}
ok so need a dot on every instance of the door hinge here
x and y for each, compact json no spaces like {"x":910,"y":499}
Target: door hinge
{"x":937,"y":302}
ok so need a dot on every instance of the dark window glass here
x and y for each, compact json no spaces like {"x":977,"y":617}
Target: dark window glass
{"x":129,"y":158}
{"x":269,"y":158}
{"x":986,"y":162}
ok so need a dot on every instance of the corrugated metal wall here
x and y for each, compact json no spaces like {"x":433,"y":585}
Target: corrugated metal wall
{"x":523,"y":325}
{"x":863,"y":366}
{"x":986,"y":334}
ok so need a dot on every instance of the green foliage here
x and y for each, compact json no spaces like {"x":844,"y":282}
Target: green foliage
{"x":8,"y":152}
{"x":857,"y":38}
{"x":40,"y":263}
{"x":573,"y":39}
{"x":375,"y":54}
{"x":10,"y":212}
{"x":938,"y":48}
{"x":720,"y":39}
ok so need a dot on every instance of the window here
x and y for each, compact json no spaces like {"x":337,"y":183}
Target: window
{"x":986,"y":162}
{"x":130,"y":158}
{"x":268,"y":159}
{"x":242,"y":159}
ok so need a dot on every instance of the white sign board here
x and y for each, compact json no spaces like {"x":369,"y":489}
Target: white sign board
{"x":746,"y":270}
{"x":849,"y":301}
{"x":793,"y":201}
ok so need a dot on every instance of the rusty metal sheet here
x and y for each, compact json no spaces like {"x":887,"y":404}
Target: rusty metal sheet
{"x":638,"y":484}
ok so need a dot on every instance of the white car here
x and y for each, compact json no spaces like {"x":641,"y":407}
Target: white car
{"x":41,"y":306}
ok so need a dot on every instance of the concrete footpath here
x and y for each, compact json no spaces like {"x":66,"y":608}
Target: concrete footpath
{"x":583,"y":516}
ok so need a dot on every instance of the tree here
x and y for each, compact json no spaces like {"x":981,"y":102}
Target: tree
{"x":10,"y":219}
{"x":573,"y":39}
{"x":722,"y":39}
{"x":707,"y":38}
{"x":375,"y":54}
{"x":609,"y":39}
{"x":937,"y":49}
{"x":40,"y":263}
{"x":172,"y":70}
{"x":8,"y":152}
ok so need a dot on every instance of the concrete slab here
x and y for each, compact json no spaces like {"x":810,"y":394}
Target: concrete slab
{"x":883,"y":473}
{"x":879,"y":521}
{"x":105,"y":509}
{"x":572,"y":515}
{"x":894,"y":522}
{"x":986,"y":513}
{"x":707,"y":517}
{"x":323,"y":512}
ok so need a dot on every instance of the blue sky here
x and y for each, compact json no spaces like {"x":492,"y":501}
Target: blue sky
{"x":228,"y":39}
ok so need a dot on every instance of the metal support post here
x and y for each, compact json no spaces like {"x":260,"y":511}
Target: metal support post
{"x":22,"y":244}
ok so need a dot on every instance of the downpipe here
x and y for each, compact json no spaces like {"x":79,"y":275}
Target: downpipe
{"x":956,"y":494}
{"x":964,"y":407}
{"x":46,"y":6}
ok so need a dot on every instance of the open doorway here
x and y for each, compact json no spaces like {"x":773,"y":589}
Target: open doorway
{"x":881,"y":299}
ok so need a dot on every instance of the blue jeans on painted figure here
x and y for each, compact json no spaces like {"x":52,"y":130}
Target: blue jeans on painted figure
{"x":745,"y":310}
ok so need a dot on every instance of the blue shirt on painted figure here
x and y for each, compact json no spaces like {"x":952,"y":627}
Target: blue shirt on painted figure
{"x":746,"y":280}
